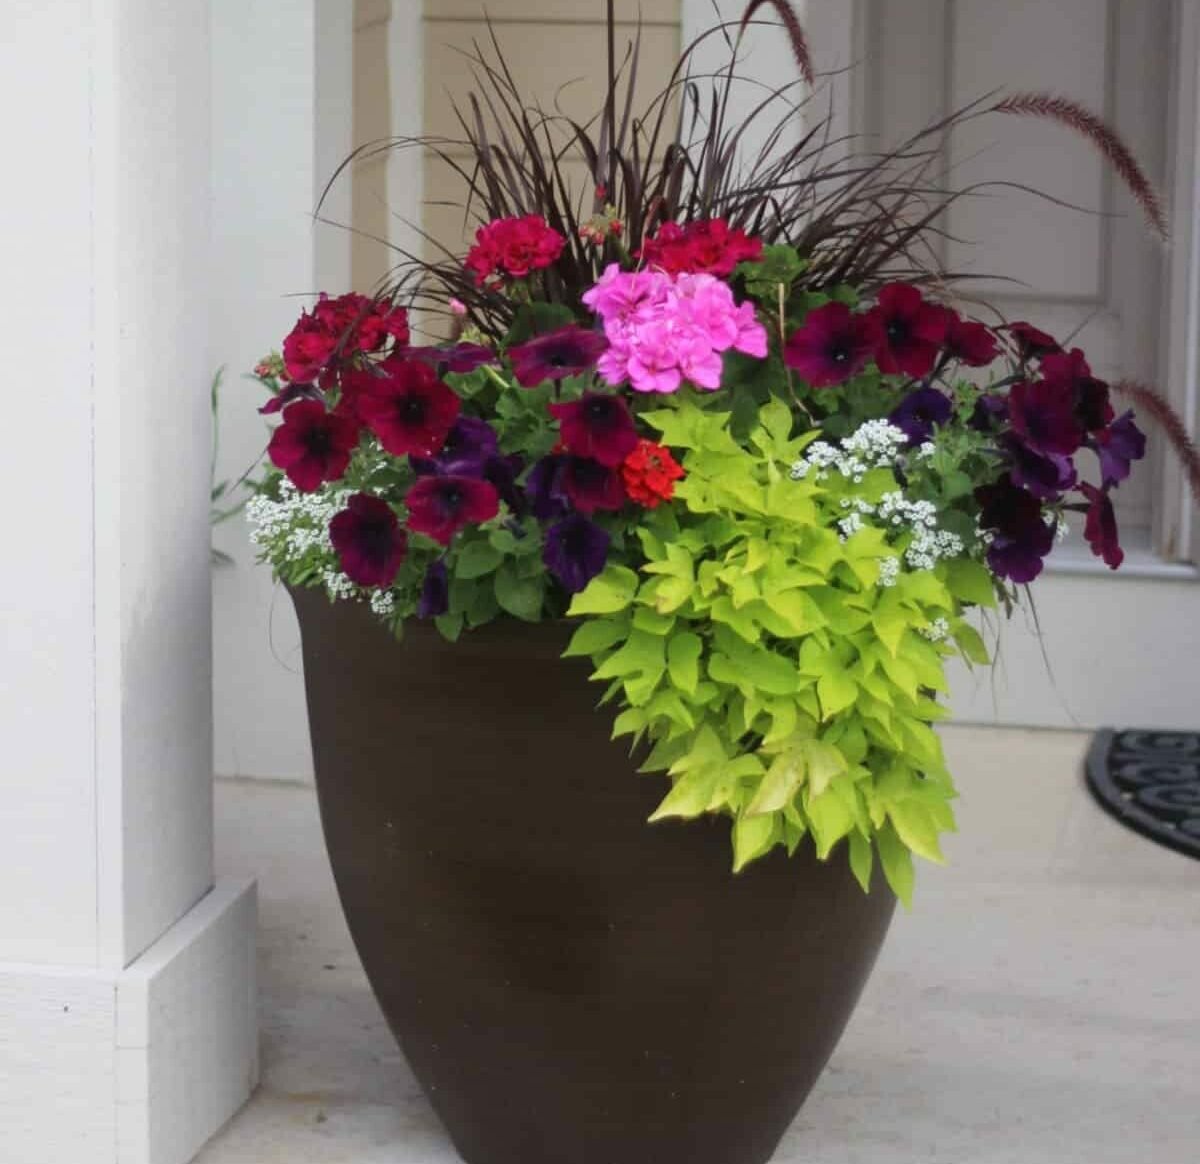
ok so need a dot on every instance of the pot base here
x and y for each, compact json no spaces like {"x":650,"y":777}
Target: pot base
{"x":568,"y":983}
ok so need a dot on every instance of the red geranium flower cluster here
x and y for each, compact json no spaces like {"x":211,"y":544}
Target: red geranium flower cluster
{"x":707,"y":247}
{"x":650,"y":473}
{"x":513,"y":248}
{"x":338,"y":329}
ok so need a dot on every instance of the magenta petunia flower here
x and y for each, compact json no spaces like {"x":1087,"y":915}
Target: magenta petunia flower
{"x":591,"y":486}
{"x":569,"y":351}
{"x":1118,"y":446}
{"x":1042,"y":414}
{"x":1070,"y":373}
{"x":575,"y":551}
{"x":970,"y":342}
{"x":368,"y":539}
{"x":1020,"y":535}
{"x":312,"y":445}
{"x":1100,"y":529}
{"x":597,"y":426}
{"x":410,"y":410}
{"x":1031,"y":342}
{"x":454,"y":357}
{"x":440,"y":506}
{"x":906,"y":331}
{"x":831,"y":346}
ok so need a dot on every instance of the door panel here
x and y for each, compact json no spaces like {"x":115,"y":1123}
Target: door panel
{"x":1094,"y":274}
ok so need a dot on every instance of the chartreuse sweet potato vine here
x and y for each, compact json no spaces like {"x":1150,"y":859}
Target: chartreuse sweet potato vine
{"x":757,"y":653}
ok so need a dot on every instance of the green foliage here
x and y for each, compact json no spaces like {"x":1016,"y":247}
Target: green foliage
{"x":770,"y":674}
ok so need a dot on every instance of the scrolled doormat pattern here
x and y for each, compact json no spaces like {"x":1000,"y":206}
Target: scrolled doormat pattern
{"x":1150,"y":781}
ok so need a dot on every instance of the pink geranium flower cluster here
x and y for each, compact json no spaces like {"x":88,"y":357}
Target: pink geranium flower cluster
{"x":663,"y":330}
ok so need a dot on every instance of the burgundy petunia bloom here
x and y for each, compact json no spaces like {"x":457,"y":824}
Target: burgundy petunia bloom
{"x":454,"y":358}
{"x":312,"y":445}
{"x":970,"y":342}
{"x":1032,"y":343}
{"x":440,"y":506}
{"x":575,"y":551}
{"x":1046,"y":475}
{"x":1021,"y":539}
{"x":597,"y":426}
{"x":369,"y":541}
{"x":830,"y":347}
{"x":569,"y":351}
{"x":1069,"y":373}
{"x":590,"y":486}
{"x":435,"y":591}
{"x":1100,"y":529}
{"x":410,"y":410}
{"x":1043,"y":416}
{"x":920,"y":412}
{"x":1118,"y":446}
{"x":906,"y":331}
{"x":545,"y":489}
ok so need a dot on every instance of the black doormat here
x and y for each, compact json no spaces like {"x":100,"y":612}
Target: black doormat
{"x":1150,"y":781}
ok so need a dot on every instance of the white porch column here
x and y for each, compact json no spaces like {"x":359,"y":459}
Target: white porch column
{"x":127,"y":1024}
{"x":282,"y":122}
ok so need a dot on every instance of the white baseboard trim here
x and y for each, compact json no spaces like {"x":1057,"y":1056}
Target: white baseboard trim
{"x":137,"y":1067}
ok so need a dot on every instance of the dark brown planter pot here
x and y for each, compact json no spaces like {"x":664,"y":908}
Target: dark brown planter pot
{"x":569,"y":984}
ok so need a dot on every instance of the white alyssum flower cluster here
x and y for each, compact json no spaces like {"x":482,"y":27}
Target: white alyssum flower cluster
{"x":874,"y":445}
{"x":878,"y":445}
{"x":937,"y":631}
{"x":383,"y":602}
{"x":298,"y":524}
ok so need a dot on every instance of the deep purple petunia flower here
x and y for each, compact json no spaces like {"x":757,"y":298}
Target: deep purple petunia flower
{"x":435,"y":591}
{"x":471,"y":442}
{"x":1100,"y":529}
{"x":369,"y":541}
{"x":597,"y":426}
{"x":410,"y":410}
{"x":545,"y":489}
{"x":1070,"y":374}
{"x":991,"y":411}
{"x":440,"y":506}
{"x":970,"y":342}
{"x":920,"y":412}
{"x":1117,"y":447}
{"x":1043,"y":416}
{"x":830,"y":347}
{"x":1046,"y":475}
{"x":906,"y":331}
{"x":1021,"y":539}
{"x":575,"y":551}
{"x":312,"y":445}
{"x":569,"y":351}
{"x":591,"y":486}
{"x":454,"y":358}
{"x":1031,"y":342}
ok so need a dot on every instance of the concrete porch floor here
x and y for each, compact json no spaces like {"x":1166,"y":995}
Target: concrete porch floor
{"x":1041,"y":1005}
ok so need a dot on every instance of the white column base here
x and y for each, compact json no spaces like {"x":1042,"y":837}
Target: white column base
{"x":140,"y":1066}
